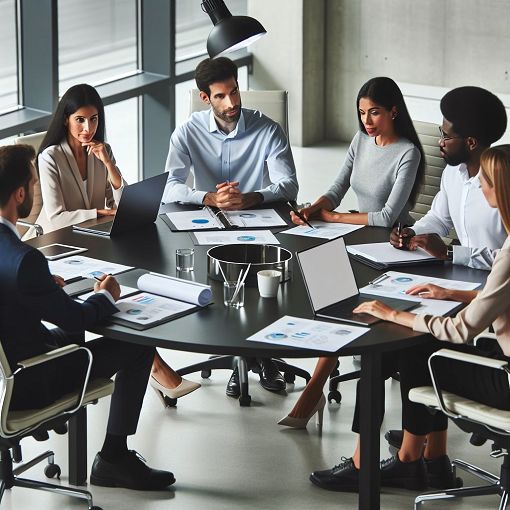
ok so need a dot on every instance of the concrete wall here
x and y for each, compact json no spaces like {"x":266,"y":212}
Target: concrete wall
{"x":435,"y":44}
{"x":291,"y":57}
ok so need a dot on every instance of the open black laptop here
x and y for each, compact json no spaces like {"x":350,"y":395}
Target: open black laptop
{"x":138,"y":206}
{"x":331,"y":285}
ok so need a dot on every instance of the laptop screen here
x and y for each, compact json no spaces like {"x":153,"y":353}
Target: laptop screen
{"x":327,"y":273}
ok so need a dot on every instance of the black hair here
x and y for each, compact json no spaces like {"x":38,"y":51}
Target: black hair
{"x":15,"y":169}
{"x":213,"y":70}
{"x":475,"y":112}
{"x":75,"y":98}
{"x":386,"y":93}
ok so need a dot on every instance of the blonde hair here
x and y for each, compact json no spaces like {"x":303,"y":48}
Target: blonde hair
{"x":495,"y":167}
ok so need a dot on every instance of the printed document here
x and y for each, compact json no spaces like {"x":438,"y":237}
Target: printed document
{"x":323,"y":230}
{"x":236,"y":237}
{"x":308,"y":334}
{"x":70,"y":268}
{"x":385,"y":253}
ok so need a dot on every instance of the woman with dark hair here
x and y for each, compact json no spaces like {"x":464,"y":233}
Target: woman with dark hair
{"x":79,"y":178}
{"x":80,"y":181}
{"x":384,"y":164}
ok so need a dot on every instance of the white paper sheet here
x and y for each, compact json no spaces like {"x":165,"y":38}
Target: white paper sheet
{"x":124,"y":292}
{"x":323,"y":230}
{"x":236,"y":237}
{"x":175,"y":288}
{"x":147,"y":308}
{"x":308,"y":334}
{"x":249,"y":218}
{"x":385,"y":253}
{"x":394,"y":284}
{"x":78,"y":266}
{"x":194,"y":220}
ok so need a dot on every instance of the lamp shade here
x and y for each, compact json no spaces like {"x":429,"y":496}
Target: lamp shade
{"x":229,"y":33}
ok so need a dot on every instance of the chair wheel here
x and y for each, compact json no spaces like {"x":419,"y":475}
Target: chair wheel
{"x":334,"y":395}
{"x":289,"y":378}
{"x":170,"y":402}
{"x":52,"y":471}
{"x":205,"y":374}
{"x":245,"y":401}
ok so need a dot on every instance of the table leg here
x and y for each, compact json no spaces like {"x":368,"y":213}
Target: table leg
{"x":77,"y":442}
{"x":370,"y":417}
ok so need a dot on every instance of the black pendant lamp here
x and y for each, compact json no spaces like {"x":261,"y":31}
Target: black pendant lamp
{"x":229,"y":33}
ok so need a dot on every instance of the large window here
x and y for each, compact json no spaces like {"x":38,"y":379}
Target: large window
{"x":8,"y":56}
{"x":96,"y":41}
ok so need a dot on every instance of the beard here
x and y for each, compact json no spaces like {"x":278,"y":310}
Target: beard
{"x":25,"y":208}
{"x":227,"y":118}
{"x":456,"y":158}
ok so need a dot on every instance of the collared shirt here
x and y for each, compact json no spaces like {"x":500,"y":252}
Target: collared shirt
{"x":460,"y":204}
{"x":9,"y":225}
{"x":256,"y":153}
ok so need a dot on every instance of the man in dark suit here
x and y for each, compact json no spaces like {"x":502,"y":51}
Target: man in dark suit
{"x":29,"y":294}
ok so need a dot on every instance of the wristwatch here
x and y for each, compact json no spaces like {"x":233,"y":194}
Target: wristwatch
{"x":449,"y":252}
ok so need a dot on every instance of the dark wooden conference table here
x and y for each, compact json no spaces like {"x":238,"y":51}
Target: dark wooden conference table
{"x":217,"y":329}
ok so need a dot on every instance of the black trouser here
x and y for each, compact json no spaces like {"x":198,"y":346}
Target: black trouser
{"x":478,"y":383}
{"x":131,"y":362}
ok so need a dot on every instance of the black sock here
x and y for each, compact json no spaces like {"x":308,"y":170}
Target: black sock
{"x":114,"y":448}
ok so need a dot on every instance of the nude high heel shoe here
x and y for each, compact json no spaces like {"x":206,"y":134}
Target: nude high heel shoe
{"x":184,"y":388}
{"x":301,"y":423}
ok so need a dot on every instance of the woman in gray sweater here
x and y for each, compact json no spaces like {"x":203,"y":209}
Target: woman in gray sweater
{"x":384,"y":164}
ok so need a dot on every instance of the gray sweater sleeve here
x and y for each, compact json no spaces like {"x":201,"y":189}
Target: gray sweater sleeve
{"x":341,"y":184}
{"x":400,"y":192}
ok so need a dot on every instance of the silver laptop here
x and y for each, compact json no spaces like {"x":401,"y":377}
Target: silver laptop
{"x":138,"y":206}
{"x":332,"y":288}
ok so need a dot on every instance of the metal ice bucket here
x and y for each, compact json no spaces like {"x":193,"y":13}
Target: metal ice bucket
{"x":235,"y":258}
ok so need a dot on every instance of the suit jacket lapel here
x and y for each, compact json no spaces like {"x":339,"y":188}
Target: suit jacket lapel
{"x":76,"y":172}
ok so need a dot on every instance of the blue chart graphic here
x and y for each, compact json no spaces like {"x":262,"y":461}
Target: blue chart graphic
{"x":142,"y":318}
{"x":246,"y":238}
{"x":96,"y":274}
{"x":403,"y":279}
{"x":341,"y":332}
{"x":248,"y":215}
{"x":300,"y":334}
{"x":200,"y":221}
{"x":134,"y":311}
{"x":144,"y":300}
{"x":73,"y":262}
{"x":276,"y":336}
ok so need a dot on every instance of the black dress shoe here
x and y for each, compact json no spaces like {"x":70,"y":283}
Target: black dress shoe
{"x":394,"y":438}
{"x":440,"y":474}
{"x":404,"y":475}
{"x":130,"y":472}
{"x":270,"y":378}
{"x":343,"y":477}
{"x":233,"y":385}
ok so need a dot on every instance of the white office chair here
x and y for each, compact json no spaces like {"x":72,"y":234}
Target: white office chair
{"x":483,"y":421}
{"x":16,"y":425}
{"x":29,"y":227}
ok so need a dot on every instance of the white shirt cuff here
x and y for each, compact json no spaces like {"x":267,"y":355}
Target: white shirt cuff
{"x":107,"y":294}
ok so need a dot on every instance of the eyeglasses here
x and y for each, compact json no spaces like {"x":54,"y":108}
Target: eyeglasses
{"x":444,"y":137}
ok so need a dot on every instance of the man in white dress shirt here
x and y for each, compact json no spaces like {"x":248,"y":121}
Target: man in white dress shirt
{"x":473,"y":119}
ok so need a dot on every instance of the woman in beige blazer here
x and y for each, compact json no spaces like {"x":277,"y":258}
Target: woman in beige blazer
{"x":419,"y":463}
{"x":80,"y":181}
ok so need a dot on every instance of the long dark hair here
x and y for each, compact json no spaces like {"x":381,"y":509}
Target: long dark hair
{"x":386,"y":93}
{"x":75,"y":98}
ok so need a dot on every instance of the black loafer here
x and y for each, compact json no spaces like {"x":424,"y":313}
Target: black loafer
{"x":394,"y":438}
{"x":130,"y":472}
{"x":343,"y":477}
{"x":404,"y":475}
{"x":270,"y":378}
{"x":233,"y":386}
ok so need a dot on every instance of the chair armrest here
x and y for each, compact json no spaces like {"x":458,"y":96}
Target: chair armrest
{"x":47,"y":356}
{"x":59,"y":353}
{"x":466,"y":358}
{"x":38,"y":229}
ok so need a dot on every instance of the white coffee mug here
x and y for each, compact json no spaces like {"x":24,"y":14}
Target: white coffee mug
{"x":268,"y":281}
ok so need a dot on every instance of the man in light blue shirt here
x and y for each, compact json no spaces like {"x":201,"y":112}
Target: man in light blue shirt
{"x":240,"y":158}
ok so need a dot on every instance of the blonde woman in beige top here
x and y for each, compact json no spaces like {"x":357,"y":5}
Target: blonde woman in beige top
{"x":421,"y":463}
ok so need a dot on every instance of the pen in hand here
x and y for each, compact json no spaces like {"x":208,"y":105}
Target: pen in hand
{"x":299,"y":215}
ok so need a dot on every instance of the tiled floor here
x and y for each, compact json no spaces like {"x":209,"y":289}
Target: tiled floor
{"x":227,"y":457}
